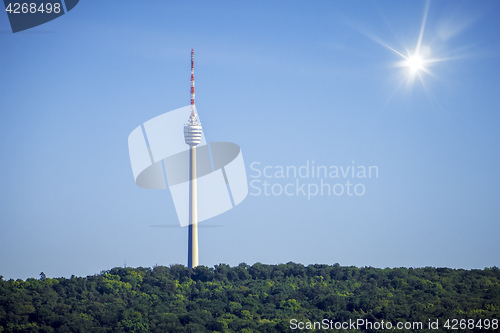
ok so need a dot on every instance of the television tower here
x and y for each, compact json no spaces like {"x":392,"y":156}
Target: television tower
{"x":192,"y":136}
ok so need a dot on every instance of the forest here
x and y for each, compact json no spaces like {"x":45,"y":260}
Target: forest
{"x":258,"y":298}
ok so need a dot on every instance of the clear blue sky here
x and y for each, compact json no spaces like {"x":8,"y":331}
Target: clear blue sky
{"x":291,"y":82}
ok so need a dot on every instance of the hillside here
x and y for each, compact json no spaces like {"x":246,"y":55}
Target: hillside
{"x":257,"y":298}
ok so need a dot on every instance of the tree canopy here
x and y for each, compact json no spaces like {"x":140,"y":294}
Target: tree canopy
{"x":244,"y":298}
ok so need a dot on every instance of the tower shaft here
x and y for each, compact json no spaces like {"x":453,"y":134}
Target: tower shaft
{"x":193,"y":211}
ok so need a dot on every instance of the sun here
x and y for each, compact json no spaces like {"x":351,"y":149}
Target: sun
{"x":415,"y":64}
{"x":418,"y":62}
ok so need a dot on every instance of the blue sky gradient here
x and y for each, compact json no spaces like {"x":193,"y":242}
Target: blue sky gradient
{"x":288,"y":81}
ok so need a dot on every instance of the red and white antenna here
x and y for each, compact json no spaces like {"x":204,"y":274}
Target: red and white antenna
{"x":192,"y":130}
{"x":192,"y":82}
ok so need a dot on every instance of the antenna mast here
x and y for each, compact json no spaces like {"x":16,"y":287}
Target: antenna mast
{"x":192,"y":83}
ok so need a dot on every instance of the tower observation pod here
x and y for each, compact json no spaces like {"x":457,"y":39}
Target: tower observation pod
{"x":192,"y":136}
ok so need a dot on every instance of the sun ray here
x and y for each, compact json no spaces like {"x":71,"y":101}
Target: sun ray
{"x":376,"y":39}
{"x":422,"y":27}
{"x":388,"y":100}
